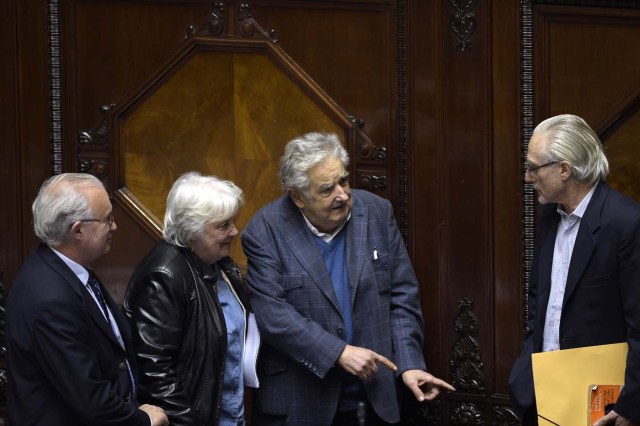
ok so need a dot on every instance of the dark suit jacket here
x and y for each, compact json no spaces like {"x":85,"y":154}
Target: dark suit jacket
{"x":65,"y":366}
{"x":602,"y":297}
{"x":299,"y":317}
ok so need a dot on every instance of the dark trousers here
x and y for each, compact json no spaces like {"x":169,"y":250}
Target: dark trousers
{"x":342,"y":418}
{"x":366,"y":416}
{"x":530,"y":417}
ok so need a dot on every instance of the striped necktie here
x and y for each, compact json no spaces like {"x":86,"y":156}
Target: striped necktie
{"x":96,"y":288}
{"x":94,"y":284}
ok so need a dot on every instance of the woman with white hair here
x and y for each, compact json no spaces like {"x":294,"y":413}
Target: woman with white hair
{"x":188,"y":310}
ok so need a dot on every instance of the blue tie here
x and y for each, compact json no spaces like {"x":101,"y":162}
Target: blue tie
{"x":94,"y":284}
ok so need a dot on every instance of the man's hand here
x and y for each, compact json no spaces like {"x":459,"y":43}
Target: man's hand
{"x":157,"y":415}
{"x":424,"y":385}
{"x":614,"y":418}
{"x":362,"y":362}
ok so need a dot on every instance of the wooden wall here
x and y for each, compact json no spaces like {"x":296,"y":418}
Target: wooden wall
{"x":449,"y":90}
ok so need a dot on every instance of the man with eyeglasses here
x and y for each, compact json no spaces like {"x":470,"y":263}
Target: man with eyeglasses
{"x":69,"y":353}
{"x":585,"y":275}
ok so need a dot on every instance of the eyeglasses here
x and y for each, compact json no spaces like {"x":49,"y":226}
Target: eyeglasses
{"x":530,"y":168}
{"x":108,"y":220}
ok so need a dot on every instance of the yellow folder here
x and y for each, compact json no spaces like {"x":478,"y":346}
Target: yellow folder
{"x":562,"y":380}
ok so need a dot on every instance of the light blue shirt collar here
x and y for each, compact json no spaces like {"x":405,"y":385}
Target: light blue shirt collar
{"x":80,"y":271}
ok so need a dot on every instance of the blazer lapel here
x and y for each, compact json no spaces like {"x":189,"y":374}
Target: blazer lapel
{"x":586,"y":240}
{"x":74,"y":282}
{"x":121,"y":321}
{"x":96,"y":312}
{"x":547,"y":242}
{"x":295,"y":233}
{"x":356,"y":245}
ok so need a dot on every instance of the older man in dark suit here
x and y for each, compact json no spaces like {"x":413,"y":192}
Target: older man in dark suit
{"x":68,"y":345}
{"x":585,"y":276}
{"x":335,"y":298}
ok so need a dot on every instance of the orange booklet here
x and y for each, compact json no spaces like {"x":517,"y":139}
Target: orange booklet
{"x":601,"y":400}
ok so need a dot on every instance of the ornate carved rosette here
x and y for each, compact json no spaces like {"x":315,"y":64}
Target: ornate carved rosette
{"x":429,"y":413}
{"x":467,"y":413}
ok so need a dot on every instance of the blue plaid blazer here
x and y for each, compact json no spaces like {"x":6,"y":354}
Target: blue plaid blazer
{"x":299,"y":317}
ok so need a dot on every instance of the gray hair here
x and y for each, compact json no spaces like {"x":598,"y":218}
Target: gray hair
{"x":194,"y":202}
{"x":569,"y":138}
{"x":60,"y":203}
{"x":303,"y":153}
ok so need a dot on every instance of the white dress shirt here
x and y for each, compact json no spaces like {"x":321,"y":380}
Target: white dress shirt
{"x":562,"y":251}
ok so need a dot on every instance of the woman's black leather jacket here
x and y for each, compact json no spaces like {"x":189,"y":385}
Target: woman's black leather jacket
{"x":179,"y":333}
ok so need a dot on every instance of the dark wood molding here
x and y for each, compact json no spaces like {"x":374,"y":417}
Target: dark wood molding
{"x":372,"y":182}
{"x":402,"y":126}
{"x":215,"y":25}
{"x":618,"y":4}
{"x":139,"y":212}
{"x":55,"y":86}
{"x":365,"y":149}
{"x":627,"y":109}
{"x":99,"y":135}
{"x":92,"y":148}
{"x":527,"y":126}
{"x":3,"y":352}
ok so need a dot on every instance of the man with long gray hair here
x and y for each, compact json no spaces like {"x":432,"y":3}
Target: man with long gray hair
{"x":68,"y":344}
{"x":585,"y":275}
{"x":335,"y":297}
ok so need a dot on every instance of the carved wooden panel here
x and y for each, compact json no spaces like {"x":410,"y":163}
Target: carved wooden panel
{"x":220,"y":106}
{"x":359,"y":60}
{"x":444,"y":93}
{"x":587,"y":61}
{"x":111,"y":52}
{"x":589,"y":64}
{"x":623,"y":152}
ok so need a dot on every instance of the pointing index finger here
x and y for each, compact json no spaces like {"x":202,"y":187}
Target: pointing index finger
{"x":384,"y":361}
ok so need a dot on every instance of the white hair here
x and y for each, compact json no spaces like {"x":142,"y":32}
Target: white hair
{"x":569,"y":138}
{"x":60,"y":203}
{"x":305,"y":152}
{"x":194,"y":202}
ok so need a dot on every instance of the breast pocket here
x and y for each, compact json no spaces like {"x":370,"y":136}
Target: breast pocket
{"x":381,"y":273}
{"x":594,"y":281}
{"x":597,"y":292}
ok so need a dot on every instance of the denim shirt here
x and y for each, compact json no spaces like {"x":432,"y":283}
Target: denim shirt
{"x":232,"y":402}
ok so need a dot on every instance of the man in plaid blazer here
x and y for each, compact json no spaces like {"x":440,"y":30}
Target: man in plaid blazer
{"x":335,"y":298}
